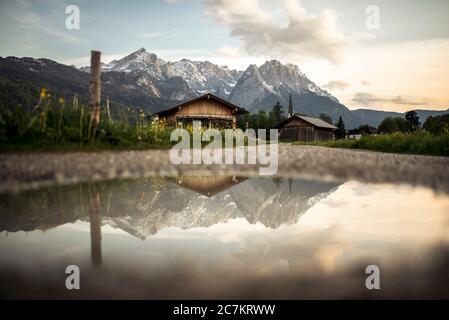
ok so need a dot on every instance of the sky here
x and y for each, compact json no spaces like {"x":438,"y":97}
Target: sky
{"x":377,"y":54}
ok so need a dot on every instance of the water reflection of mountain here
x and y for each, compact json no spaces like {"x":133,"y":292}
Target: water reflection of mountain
{"x":145,"y":206}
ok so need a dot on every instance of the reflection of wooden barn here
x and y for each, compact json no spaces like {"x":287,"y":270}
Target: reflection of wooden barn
{"x":211,"y":110}
{"x":301,"y":128}
{"x":208,"y":185}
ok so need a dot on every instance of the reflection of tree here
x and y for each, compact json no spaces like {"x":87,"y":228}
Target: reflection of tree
{"x":277,"y":181}
{"x":95,"y":230}
{"x":49,"y":207}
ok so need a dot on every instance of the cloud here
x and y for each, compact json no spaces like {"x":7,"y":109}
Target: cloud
{"x":362,"y":36}
{"x":227,"y":51}
{"x":336,"y":85}
{"x":305,"y":37}
{"x":32,"y":21}
{"x":151,"y":35}
{"x":368,"y":99}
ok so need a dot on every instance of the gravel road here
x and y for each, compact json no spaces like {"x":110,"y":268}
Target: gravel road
{"x":28,"y":171}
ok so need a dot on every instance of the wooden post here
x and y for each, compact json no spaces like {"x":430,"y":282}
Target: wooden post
{"x":95,"y":87}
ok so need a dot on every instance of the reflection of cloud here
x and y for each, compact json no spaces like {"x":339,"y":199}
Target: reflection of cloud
{"x":334,"y":203}
{"x":188,"y":276}
{"x":306,"y":36}
{"x":361,"y":190}
{"x":302,"y":250}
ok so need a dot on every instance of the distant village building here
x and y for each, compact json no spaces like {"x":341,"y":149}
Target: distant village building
{"x":211,"y":110}
{"x":302,"y":128}
{"x":354,"y":134}
{"x":357,"y":133}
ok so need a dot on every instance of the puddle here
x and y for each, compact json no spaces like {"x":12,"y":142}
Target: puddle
{"x":225,"y":237}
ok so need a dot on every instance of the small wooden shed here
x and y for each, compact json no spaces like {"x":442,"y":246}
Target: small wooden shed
{"x":211,"y":110}
{"x":302,"y":128}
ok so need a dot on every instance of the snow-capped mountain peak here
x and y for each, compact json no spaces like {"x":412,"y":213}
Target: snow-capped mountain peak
{"x":140,"y":60}
{"x":273,"y":81}
{"x":201,"y":76}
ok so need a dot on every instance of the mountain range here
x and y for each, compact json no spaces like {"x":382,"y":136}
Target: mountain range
{"x":200,"y":76}
{"x":143,"y":80}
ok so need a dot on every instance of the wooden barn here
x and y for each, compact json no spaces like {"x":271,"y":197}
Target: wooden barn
{"x":301,"y":128}
{"x":208,"y":185}
{"x":212,"y":111}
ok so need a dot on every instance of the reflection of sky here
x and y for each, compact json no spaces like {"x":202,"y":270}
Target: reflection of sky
{"x":380,"y":224}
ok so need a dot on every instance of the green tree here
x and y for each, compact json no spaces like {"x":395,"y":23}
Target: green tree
{"x":396,"y":124}
{"x":413,"y":118}
{"x":340,"y":132}
{"x":243,"y":120}
{"x":263,"y":120}
{"x":276,"y":116}
{"x":325,"y":117}
{"x":365,"y":129}
{"x":437,"y":124}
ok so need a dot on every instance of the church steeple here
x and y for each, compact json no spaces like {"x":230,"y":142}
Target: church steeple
{"x":290,"y":107}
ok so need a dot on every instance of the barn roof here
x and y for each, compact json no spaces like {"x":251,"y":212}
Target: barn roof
{"x":240,"y":110}
{"x":313,"y":121}
{"x":208,"y":185}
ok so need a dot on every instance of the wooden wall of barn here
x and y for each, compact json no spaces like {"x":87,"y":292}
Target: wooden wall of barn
{"x":322,"y":134}
{"x":204,"y":108}
{"x":300,"y":130}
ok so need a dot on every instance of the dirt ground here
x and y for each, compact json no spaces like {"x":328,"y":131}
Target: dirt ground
{"x":28,"y":171}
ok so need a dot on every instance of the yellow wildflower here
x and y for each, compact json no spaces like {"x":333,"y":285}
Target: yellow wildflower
{"x":43,"y":93}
